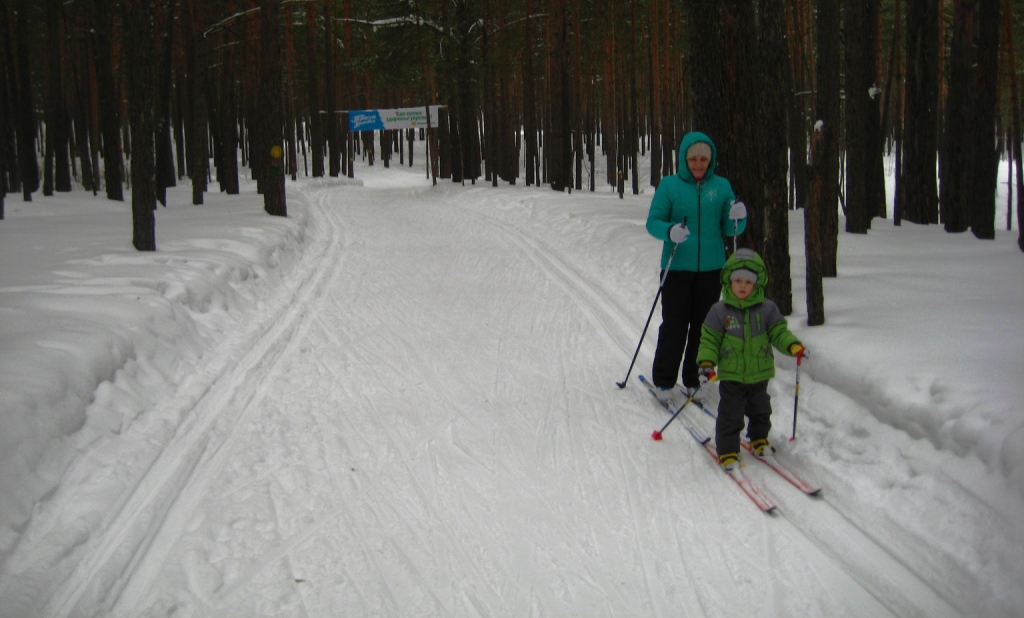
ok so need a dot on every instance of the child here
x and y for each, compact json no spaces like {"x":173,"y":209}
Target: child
{"x":738,"y":336}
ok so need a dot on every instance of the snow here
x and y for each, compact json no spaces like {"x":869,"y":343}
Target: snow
{"x":401,"y":400}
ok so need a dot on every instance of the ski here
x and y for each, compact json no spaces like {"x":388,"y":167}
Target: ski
{"x":752,"y":491}
{"x":773,"y":462}
{"x":794,"y":479}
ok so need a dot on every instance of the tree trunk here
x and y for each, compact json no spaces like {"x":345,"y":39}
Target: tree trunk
{"x":819,"y":229}
{"x":863,"y":141}
{"x":330,"y":98}
{"x":558,"y":150}
{"x":738,"y":143}
{"x":138,"y":21}
{"x":529,"y":101}
{"x":797,"y":110}
{"x":953,"y":189}
{"x":271,"y":117}
{"x":178,"y":129}
{"x":610,"y":125}
{"x":1015,"y":128}
{"x":578,"y":105}
{"x":57,"y":168}
{"x":9,"y":106}
{"x":984,"y":164}
{"x":196,"y":135}
{"x":633,"y":119}
{"x":709,"y":93}
{"x":164,"y":152}
{"x":919,"y":200}
{"x":27,"y":163}
{"x":654,"y":88}
{"x":227,"y":124}
{"x":109,"y":101}
{"x":467,"y":82}
{"x":444,"y":144}
{"x":771,"y":154}
{"x":316,"y":136}
{"x":6,"y":133}
{"x":488,"y":98}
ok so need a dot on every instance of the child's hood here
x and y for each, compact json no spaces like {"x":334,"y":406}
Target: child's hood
{"x":749,"y":259}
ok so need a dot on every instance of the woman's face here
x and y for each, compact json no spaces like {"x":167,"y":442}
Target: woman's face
{"x":698,"y":165}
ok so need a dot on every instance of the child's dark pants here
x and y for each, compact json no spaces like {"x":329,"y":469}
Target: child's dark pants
{"x":739,"y":400}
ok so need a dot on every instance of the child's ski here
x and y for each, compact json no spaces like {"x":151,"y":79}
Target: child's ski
{"x":795,"y":479}
{"x":773,"y":462}
{"x":752,"y":491}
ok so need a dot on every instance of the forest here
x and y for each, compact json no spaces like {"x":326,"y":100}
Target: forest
{"x":806,"y":100}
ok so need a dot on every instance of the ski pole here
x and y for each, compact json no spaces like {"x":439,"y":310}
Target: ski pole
{"x":664,"y":276}
{"x":796,"y":396}
{"x":735,"y":231}
{"x":657,"y":432}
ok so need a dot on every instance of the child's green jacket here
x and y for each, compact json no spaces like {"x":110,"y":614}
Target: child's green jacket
{"x":738,"y":336}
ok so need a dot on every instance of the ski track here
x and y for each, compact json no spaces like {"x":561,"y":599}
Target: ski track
{"x":341,"y":463}
{"x":193,"y":455}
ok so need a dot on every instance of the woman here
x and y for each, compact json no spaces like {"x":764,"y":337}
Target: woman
{"x":692,"y":212}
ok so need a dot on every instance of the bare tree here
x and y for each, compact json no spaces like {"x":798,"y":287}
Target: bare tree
{"x":271,"y":116}
{"x":985,"y":162}
{"x":164,"y":152}
{"x":196,"y":133}
{"x":313,"y":100}
{"x":798,"y":35}
{"x":138,"y":24}
{"x":558,"y":142}
{"x":228,"y":113}
{"x":108,"y":99}
{"x":57,"y":163}
{"x":740,"y":143}
{"x":771,"y":153}
{"x":966,"y":154}
{"x":26,"y":127}
{"x":6,"y":132}
{"x":919,"y":200}
{"x":819,"y":229}
{"x":1015,"y":128}
{"x":529,"y":106}
{"x":706,"y":49}
{"x":466,"y":145}
{"x":864,"y":171}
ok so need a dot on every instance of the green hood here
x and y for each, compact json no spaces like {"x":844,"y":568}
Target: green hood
{"x":690,"y":139}
{"x":749,"y":259}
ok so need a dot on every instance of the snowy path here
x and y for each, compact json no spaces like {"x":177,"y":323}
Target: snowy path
{"x":428,"y":425}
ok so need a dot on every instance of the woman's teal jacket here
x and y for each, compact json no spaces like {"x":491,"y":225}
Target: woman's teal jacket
{"x":702,"y":205}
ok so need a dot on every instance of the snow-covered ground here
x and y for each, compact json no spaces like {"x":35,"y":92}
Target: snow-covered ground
{"x":401,"y":401}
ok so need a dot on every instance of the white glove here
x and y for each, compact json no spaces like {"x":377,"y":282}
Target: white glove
{"x":678,"y":233}
{"x":738,"y":210}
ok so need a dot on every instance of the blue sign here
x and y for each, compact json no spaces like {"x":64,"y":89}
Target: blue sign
{"x":365,"y":120}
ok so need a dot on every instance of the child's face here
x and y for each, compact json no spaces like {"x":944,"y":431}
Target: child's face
{"x":742,"y":288}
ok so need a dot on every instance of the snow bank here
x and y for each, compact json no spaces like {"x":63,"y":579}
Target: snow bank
{"x":93,"y":332}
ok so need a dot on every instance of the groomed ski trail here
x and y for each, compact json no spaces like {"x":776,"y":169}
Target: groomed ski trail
{"x":347,"y":458}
